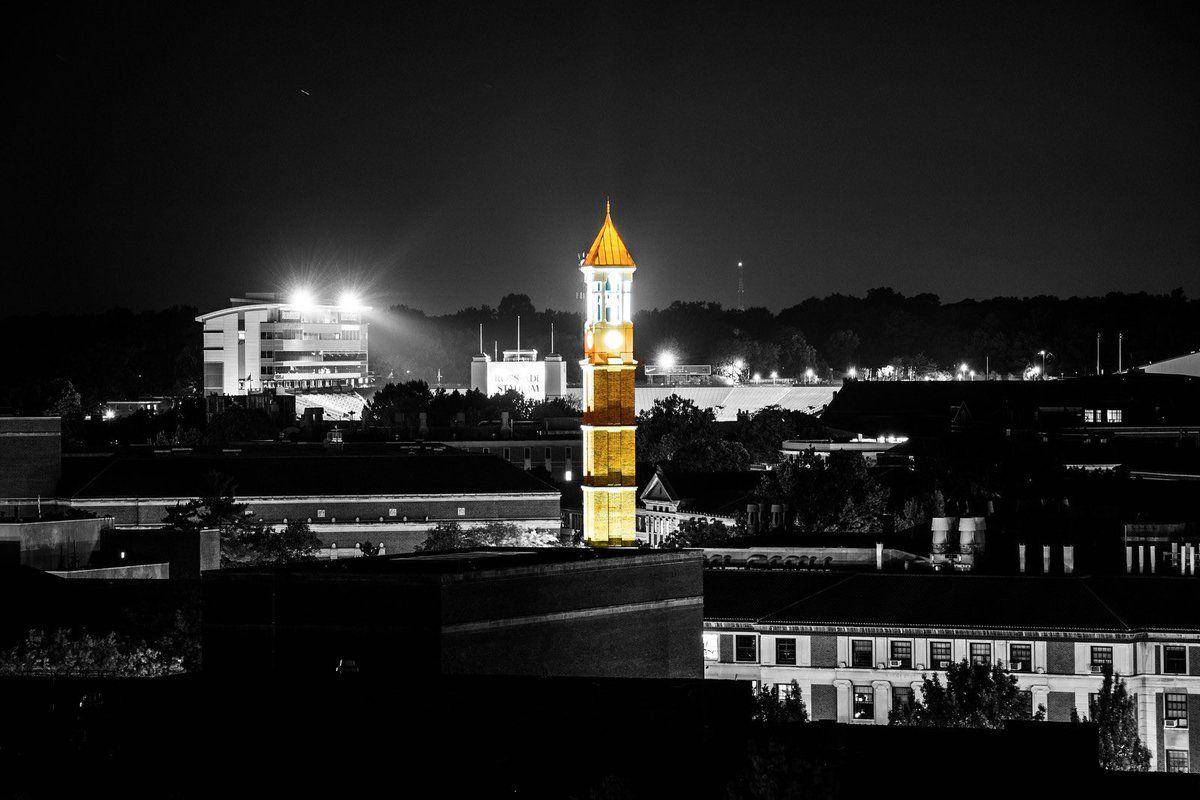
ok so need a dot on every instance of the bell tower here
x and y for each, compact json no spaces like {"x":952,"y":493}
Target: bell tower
{"x":609,"y":422}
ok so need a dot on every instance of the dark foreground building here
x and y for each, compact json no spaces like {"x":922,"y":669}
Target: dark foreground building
{"x":541,"y":612}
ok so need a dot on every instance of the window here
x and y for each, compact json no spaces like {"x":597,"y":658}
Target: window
{"x":1026,"y":698}
{"x":528,"y":452}
{"x":861,"y":653}
{"x":391,"y":512}
{"x":462,"y":512}
{"x":902,"y":696}
{"x":568,"y":453}
{"x":1114,"y":415}
{"x":1177,"y":761}
{"x":1102,"y":659}
{"x":981,"y":653}
{"x":864,"y":702}
{"x":1091,"y":415}
{"x":1020,"y":658}
{"x":745,"y":648}
{"x":320,"y":513}
{"x":785,"y":651}
{"x":507,"y":454}
{"x":712,"y":648}
{"x":940,"y":654}
{"x":1174,"y":660}
{"x":900,"y":655}
{"x":1175,"y":707}
{"x":784,"y":690}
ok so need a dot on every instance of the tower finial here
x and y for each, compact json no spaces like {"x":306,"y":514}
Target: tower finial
{"x":607,"y":206}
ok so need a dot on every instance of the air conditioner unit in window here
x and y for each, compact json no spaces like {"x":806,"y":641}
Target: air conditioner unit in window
{"x":1017,"y":666}
{"x":921,"y":667}
{"x":1097,"y":669}
{"x":943,"y":665}
{"x":1170,"y":723}
{"x":895,"y":663}
{"x":1040,"y":670}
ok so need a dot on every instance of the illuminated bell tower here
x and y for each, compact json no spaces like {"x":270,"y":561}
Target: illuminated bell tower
{"x":609,"y":423}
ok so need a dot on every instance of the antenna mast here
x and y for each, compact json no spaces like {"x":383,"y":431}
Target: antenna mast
{"x":741,"y":289}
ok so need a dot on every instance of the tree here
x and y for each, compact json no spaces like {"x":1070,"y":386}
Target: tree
{"x":446,"y":536}
{"x":1114,"y":712}
{"x":837,"y":494}
{"x":697,"y":532}
{"x":669,"y":425}
{"x":710,"y":454}
{"x":64,"y":653}
{"x":267,"y":545}
{"x":238,"y":424}
{"x":775,"y":709}
{"x":974,"y":696}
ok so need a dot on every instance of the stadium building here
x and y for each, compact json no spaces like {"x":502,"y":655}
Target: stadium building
{"x":261,"y":343}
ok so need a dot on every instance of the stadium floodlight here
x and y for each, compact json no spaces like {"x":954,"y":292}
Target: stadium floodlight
{"x":349,"y":301}
{"x":667,"y":360}
{"x":302,"y":299}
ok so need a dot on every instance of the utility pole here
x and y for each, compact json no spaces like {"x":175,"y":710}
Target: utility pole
{"x":741,"y":286}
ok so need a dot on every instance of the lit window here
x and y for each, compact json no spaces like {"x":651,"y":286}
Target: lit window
{"x":712,"y":646}
{"x":784,"y":690}
{"x":462,"y":512}
{"x":1020,"y":658}
{"x":900,"y":655}
{"x":785,"y":651}
{"x":745,"y":648}
{"x":1175,"y":706}
{"x":981,"y":653}
{"x":1177,"y":761}
{"x":1091,"y":416}
{"x":391,"y":512}
{"x":320,"y":513}
{"x":1102,"y":659}
{"x":940,"y":653}
{"x":1114,"y":415}
{"x":1174,"y":660}
{"x":864,"y":702}
{"x":861,"y":653}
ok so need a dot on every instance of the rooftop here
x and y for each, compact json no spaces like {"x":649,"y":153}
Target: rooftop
{"x":480,"y":562}
{"x":608,"y":250}
{"x":1102,"y":604}
{"x":311,"y":471}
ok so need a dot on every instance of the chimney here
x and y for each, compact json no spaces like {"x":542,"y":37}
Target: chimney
{"x":1068,"y":559}
{"x":1021,"y":557}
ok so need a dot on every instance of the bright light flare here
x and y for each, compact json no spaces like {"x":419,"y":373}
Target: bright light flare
{"x":302,"y":299}
{"x":667,"y":360}
{"x":349,"y":301}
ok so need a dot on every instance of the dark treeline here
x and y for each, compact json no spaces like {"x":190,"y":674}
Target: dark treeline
{"x":119,"y":354}
{"x":825,"y":334}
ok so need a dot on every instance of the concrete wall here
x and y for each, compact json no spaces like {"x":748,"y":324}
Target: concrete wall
{"x":56,"y":544}
{"x":160,"y":571}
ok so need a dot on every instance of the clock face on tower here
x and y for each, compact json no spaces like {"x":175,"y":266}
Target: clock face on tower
{"x":609,"y":418}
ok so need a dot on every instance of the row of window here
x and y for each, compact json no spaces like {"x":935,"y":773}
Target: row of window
{"x":1094,"y":416}
{"x":900,"y":654}
{"x":313,"y":335}
{"x":314,"y":355}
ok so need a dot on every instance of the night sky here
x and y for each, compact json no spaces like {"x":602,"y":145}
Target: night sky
{"x":177,"y":153}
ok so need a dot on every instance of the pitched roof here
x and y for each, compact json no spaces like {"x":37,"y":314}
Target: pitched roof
{"x":608,"y":250}
{"x":721,"y":492}
{"x":1120,"y":605}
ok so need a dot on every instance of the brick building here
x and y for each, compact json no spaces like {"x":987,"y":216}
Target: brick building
{"x":859,"y":644}
{"x":389,"y":494}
